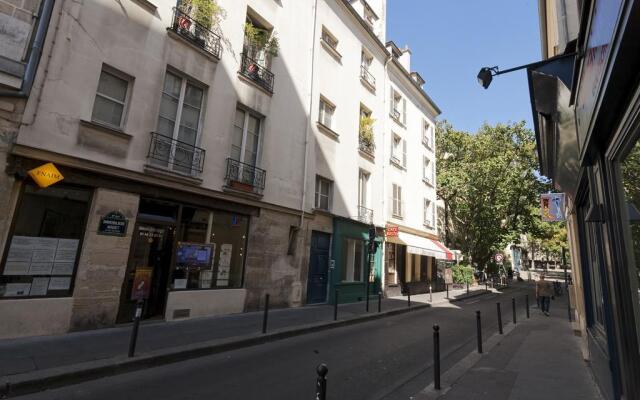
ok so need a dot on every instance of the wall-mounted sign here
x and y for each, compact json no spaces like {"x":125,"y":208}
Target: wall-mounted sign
{"x":391,"y":231}
{"x":552,"y":207}
{"x":45,"y":175}
{"x":114,"y":223}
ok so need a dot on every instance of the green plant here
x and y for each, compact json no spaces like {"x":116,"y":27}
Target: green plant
{"x":261,"y":39}
{"x":207,"y":13}
{"x":462,"y":274}
{"x":365,"y":132}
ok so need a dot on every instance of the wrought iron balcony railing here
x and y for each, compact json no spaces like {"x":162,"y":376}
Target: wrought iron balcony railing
{"x":252,"y":70}
{"x":395,"y":114}
{"x":365,"y":215}
{"x":173,"y":154}
{"x":196,"y":33}
{"x":366,"y":76}
{"x":245,"y":177}
{"x":366,"y":146}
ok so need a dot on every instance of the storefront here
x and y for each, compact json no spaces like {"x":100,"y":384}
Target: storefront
{"x":587,"y":121}
{"x":350,"y":252}
{"x":414,"y":263}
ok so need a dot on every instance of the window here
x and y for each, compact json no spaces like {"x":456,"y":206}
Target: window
{"x":42,"y":251}
{"x":369,"y":17}
{"x":329,"y":39}
{"x":327,"y":109}
{"x":398,"y":107}
{"x":363,"y":183}
{"x":111,"y":98}
{"x":179,"y":123}
{"x":427,"y":134}
{"x":398,"y":150}
{"x":427,"y":213}
{"x":353,"y":250}
{"x":427,"y":174}
{"x":397,"y":201}
{"x":366,"y":60}
{"x":323,"y":193}
{"x":255,"y":49}
{"x":246,"y":137}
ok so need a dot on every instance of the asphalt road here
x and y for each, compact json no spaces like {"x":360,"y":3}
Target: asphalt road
{"x":390,"y":358}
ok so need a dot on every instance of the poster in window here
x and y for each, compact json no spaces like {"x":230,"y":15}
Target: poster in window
{"x":19,"y":254}
{"x":17,"y":289}
{"x":194,"y":255}
{"x":16,"y":268}
{"x":59,"y":283}
{"x":62,"y":268}
{"x":43,"y":255}
{"x":39,"y":287}
{"x":141,"y":284}
{"x":40,"y":268}
{"x":224,"y":265}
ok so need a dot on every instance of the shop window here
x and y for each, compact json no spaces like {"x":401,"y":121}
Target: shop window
{"x":390,"y":255}
{"x":41,"y":254}
{"x":210,"y":251}
{"x":353,"y":250}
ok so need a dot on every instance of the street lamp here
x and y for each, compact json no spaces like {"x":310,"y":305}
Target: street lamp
{"x":486,"y":74}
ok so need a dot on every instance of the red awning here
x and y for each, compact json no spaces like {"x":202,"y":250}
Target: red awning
{"x":444,"y":249}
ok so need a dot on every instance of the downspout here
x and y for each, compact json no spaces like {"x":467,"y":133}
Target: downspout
{"x":383,"y":272}
{"x":306,"y":140}
{"x":35,"y":53}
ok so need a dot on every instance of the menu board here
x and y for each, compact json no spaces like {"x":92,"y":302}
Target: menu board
{"x":30,"y":255}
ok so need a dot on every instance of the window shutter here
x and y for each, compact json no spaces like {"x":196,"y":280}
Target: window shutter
{"x":391,"y":100}
{"x":433,"y":210}
{"x":404,"y":153}
{"x":404,"y":111}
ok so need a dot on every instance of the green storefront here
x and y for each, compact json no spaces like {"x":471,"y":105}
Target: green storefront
{"x":350,"y":249}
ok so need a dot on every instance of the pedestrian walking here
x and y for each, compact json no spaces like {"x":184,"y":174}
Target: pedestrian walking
{"x":544,"y":291}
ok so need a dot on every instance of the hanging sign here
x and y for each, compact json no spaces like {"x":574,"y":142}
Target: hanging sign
{"x":114,"y":224}
{"x":45,"y":175}
{"x":552,"y":207}
{"x":391,"y":231}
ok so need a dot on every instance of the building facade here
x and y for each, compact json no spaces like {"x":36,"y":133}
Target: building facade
{"x":585,"y":102}
{"x":200,"y":164}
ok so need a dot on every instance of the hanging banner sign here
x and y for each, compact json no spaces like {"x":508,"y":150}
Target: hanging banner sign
{"x":552,"y":207}
{"x":45,"y":175}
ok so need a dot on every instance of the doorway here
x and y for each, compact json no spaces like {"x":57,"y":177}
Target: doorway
{"x":151,"y":249}
{"x":318,"y":268}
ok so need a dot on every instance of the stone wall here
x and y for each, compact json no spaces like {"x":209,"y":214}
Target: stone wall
{"x":269,"y":269}
{"x":103,"y":263}
{"x":16,"y":18}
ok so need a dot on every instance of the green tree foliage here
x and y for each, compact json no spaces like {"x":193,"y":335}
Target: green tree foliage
{"x":462,"y":274}
{"x":490,"y":186}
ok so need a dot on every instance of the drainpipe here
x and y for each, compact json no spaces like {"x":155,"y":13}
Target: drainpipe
{"x":383,"y":272}
{"x":35,"y":53}
{"x":306,"y":140}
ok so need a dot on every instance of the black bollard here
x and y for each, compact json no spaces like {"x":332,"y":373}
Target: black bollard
{"x":408,"y":297}
{"x":436,"y":357}
{"x":136,"y":325}
{"x":265,"y":318}
{"x":499,"y":318}
{"x":486,"y":285}
{"x":335,"y":306}
{"x":513,"y":307}
{"x":569,"y":306}
{"x":366,"y":308}
{"x":321,"y":382}
{"x":479,"y":328}
{"x":379,"y":301}
{"x":430,"y":295}
{"x":467,"y":287}
{"x":526,"y":299}
{"x":447,"y":285}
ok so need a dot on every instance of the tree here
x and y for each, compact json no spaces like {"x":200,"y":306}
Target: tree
{"x":489,"y":185}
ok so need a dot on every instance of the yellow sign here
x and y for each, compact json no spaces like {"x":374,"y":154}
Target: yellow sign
{"x":46,"y":175}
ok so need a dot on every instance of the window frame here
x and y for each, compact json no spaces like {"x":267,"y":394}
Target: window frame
{"x":318,"y":193}
{"x":428,"y":222}
{"x":363,"y":179}
{"x":125,"y":105}
{"x":357,"y":242}
{"x":245,"y":128}
{"x":396,"y":209}
{"x":333,"y":40}
{"x":322,"y":111}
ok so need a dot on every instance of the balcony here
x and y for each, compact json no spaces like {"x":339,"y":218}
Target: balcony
{"x":365,"y":215}
{"x":174,"y":155}
{"x":195,"y":33}
{"x":367,"y":78}
{"x":395,"y":114}
{"x":426,"y":141}
{"x":244,"y":177}
{"x":256,"y":73}
{"x":366,"y":146}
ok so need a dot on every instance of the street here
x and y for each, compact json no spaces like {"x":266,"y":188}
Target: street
{"x":390,"y":358}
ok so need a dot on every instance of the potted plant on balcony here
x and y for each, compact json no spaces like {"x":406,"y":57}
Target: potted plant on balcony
{"x":260,"y":44}
{"x":184,"y":11}
{"x":365,"y":133}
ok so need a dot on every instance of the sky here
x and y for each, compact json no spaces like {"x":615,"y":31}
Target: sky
{"x":450,"y":40}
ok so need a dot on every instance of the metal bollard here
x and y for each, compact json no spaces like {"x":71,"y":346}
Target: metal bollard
{"x":499,"y":318}
{"x":447,"y":285}
{"x":486,"y":285}
{"x":526,"y":299}
{"x":321,"y":382}
{"x":467,"y":287}
{"x":335,"y":306}
{"x":265,"y":318}
{"x":379,"y":301}
{"x":408,"y":297}
{"x":436,"y":356}
{"x":136,"y":325}
{"x":569,"y":306}
{"x":366,"y":307}
{"x":513,"y":307}
{"x":430,"y":295}
{"x":479,"y":328}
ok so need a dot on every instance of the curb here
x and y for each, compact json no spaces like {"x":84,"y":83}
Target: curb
{"x":51,"y":378}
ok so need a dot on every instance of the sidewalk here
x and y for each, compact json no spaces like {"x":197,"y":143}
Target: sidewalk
{"x":47,"y":357}
{"x":538,"y":358}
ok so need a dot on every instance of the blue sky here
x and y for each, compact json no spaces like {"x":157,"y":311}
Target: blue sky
{"x":451,"y":40}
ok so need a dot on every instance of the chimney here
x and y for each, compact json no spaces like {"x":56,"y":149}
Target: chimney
{"x":405,"y":58}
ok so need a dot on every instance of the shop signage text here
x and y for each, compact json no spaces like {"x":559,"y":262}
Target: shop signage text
{"x":392,"y":231}
{"x":45,"y":175}
{"x":552,"y":207}
{"x":114,"y":224}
